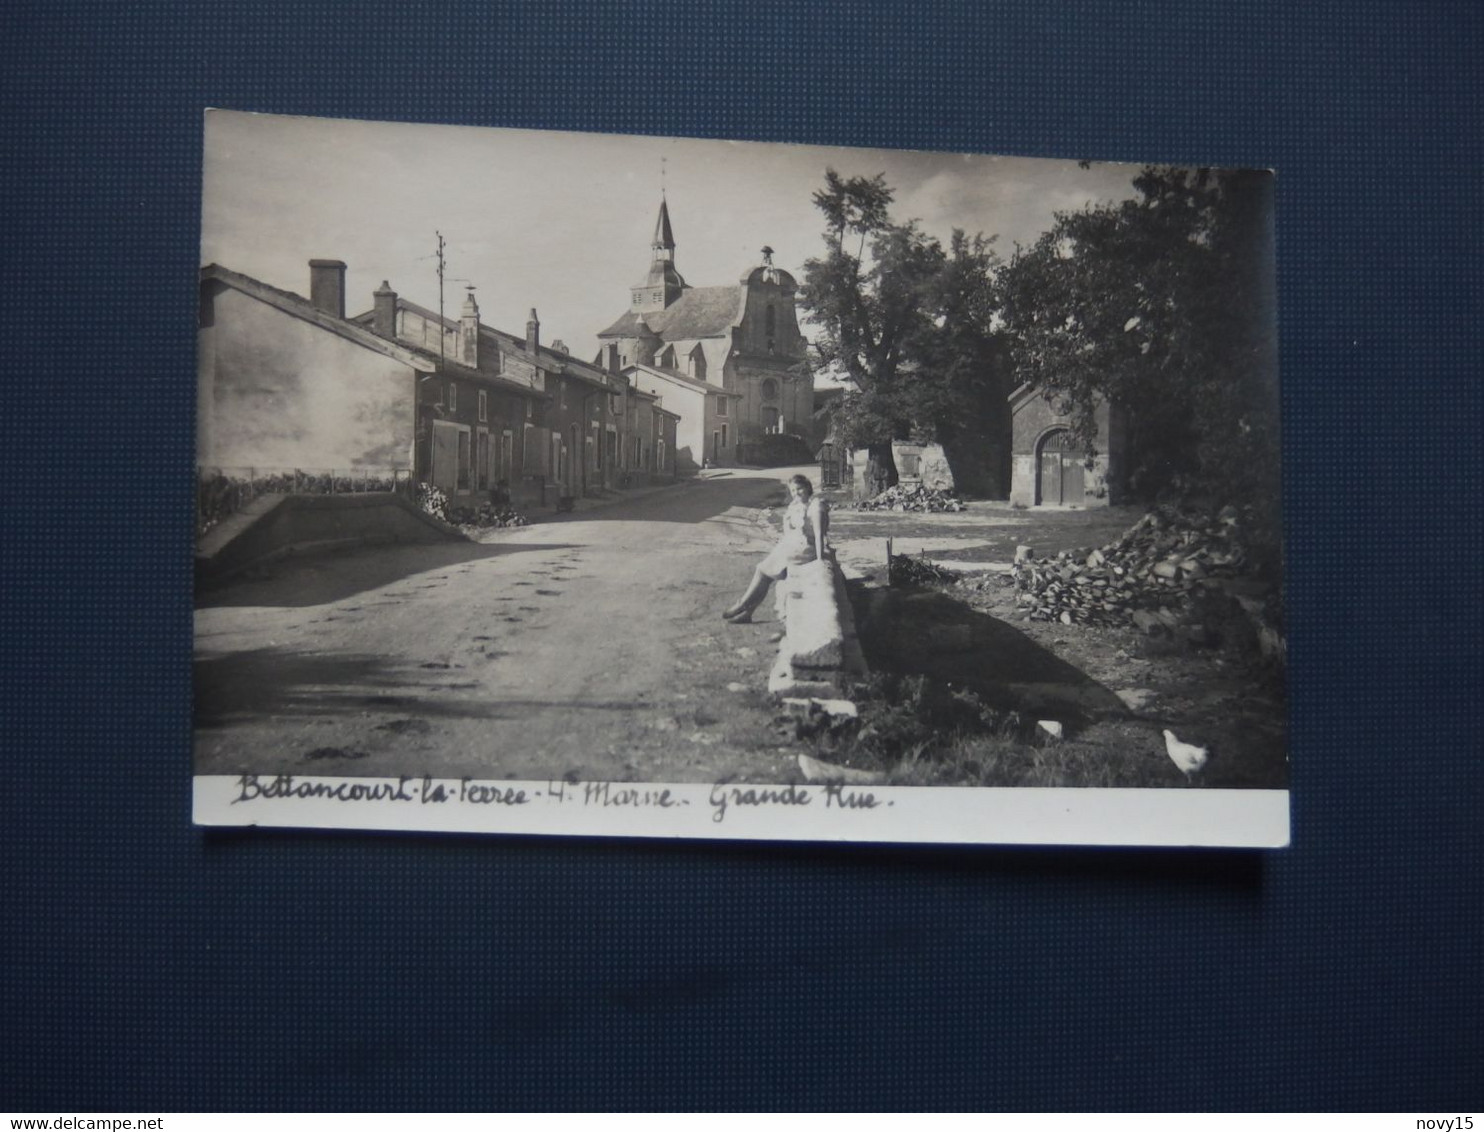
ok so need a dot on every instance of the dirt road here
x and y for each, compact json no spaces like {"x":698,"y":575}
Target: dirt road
{"x":589,"y":645}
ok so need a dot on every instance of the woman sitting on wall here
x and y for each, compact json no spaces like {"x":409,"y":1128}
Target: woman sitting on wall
{"x":805,"y":525}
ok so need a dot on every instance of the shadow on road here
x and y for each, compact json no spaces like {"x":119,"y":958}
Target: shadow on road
{"x":258,"y":684}
{"x":319,"y":579}
{"x":688,"y":502}
{"x":923,"y":633}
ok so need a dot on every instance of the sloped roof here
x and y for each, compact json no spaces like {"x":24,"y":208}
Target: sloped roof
{"x":684,"y":379}
{"x":551,"y":358}
{"x":300,"y":307}
{"x":700,"y":312}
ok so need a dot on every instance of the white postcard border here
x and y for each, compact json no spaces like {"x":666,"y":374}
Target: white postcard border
{"x":1191,"y":818}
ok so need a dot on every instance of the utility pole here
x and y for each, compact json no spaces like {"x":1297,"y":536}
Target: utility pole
{"x":441,"y":333}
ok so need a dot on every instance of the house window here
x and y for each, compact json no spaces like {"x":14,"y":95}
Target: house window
{"x":697,"y":362}
{"x":530,"y":411}
{"x":721,"y":406}
{"x":453,"y":397}
{"x":484,"y":405}
{"x":770,"y":389}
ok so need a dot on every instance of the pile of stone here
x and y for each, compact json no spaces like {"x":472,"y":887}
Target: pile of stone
{"x":1147,"y":577}
{"x":912,"y":498}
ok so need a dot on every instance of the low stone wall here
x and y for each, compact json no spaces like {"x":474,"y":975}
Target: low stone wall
{"x":272,"y":525}
{"x":819,"y":652}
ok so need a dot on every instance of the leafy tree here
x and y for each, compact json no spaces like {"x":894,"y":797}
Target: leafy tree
{"x":1162,"y":306}
{"x":906,"y":320}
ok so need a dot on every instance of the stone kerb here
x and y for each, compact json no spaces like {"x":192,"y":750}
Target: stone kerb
{"x":819,"y":650}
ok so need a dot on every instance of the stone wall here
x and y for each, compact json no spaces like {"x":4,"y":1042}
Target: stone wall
{"x":273,"y":525}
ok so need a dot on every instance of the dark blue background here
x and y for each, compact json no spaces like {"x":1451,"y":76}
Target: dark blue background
{"x":150,"y":966}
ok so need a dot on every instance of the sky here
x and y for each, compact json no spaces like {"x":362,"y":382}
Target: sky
{"x":562,"y":222}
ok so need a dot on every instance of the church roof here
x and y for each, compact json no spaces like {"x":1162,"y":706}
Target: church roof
{"x":700,"y":312}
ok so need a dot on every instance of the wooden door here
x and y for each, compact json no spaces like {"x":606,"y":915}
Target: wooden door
{"x":445,"y":456}
{"x":1060,"y":471}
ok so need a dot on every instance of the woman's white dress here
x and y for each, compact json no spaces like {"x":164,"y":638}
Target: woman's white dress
{"x":796,"y":544}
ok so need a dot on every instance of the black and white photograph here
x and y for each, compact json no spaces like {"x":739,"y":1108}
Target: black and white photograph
{"x":608,"y":485}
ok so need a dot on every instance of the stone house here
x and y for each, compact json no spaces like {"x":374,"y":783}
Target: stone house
{"x":287,"y":385}
{"x":705,"y":415}
{"x":742,"y":339}
{"x":540,"y":421}
{"x":1048,"y":469}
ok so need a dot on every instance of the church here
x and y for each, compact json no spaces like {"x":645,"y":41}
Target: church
{"x":732,"y":355}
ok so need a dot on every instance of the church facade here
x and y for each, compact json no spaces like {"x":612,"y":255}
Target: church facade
{"x":740,"y":343}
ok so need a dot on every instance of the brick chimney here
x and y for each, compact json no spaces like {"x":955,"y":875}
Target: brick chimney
{"x":469,"y":332}
{"x":533,"y":332}
{"x":384,"y":313}
{"x":327,"y":286}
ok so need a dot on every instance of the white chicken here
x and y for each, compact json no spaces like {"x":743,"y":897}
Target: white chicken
{"x":1187,"y":756}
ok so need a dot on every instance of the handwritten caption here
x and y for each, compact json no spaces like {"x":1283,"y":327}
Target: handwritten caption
{"x":413,"y":790}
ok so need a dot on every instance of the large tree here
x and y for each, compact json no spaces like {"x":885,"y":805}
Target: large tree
{"x":1161,"y":305}
{"x":906,"y":320}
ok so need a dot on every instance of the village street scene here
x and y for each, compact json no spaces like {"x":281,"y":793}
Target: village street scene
{"x":932,"y":471}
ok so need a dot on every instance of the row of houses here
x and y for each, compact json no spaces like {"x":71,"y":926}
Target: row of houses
{"x":684,"y":378}
{"x":397,"y":392}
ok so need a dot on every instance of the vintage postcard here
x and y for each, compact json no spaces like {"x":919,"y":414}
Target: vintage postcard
{"x":587,"y":484}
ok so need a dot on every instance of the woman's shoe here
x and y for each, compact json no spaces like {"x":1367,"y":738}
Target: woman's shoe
{"x":737,"y":615}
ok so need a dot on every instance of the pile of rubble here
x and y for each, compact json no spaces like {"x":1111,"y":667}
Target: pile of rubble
{"x":912,"y":498}
{"x":488,"y":516}
{"x":904,"y":570}
{"x":432,"y":500}
{"x":1150,"y":576}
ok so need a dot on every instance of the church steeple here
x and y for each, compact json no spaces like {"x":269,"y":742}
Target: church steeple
{"x":664,"y":239}
{"x":663,"y":285}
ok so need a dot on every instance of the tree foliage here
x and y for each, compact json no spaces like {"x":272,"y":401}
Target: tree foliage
{"x":906,"y":319}
{"x":1161,"y":305}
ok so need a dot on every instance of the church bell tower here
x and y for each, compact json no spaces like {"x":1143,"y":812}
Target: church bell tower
{"x":663,"y":285}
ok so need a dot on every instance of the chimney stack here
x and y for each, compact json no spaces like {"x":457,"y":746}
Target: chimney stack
{"x":533,"y":333}
{"x":384,"y":312}
{"x":327,"y":286}
{"x":469,"y":331}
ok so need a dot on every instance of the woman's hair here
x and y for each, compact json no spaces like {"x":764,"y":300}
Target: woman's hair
{"x":802,"y":481}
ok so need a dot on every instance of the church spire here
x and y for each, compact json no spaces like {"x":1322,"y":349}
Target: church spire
{"x":664,"y":238}
{"x":663,"y":285}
